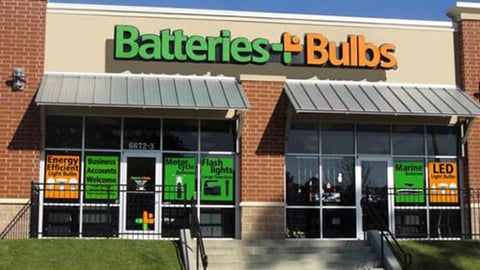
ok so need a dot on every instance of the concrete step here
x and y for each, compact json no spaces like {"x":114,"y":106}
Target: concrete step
{"x":289,"y":254}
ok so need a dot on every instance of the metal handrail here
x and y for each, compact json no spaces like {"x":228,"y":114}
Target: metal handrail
{"x":13,"y":223}
{"x":197,"y":232}
{"x":405,"y":259}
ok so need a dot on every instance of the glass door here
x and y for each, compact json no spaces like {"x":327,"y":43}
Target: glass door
{"x":375,"y":176}
{"x":140,"y":197}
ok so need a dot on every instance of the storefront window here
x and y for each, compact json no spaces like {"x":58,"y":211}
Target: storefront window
{"x":217,"y":180}
{"x":102,"y":133}
{"x":408,"y":140}
{"x":303,"y":138}
{"x":100,"y":221}
{"x":337,"y":139}
{"x":179,"y":171}
{"x":338,"y":181}
{"x":101,"y":176}
{"x":339,"y":223}
{"x":373,"y":139}
{"x":60,"y":221}
{"x":63,"y":131}
{"x":411,"y":223}
{"x":303,"y":223}
{"x":217,"y":222}
{"x":218,"y":135}
{"x":141,"y":134}
{"x":442,"y":140}
{"x":62,"y":176}
{"x":445,"y":223}
{"x":180,"y":135}
{"x":302,"y":181}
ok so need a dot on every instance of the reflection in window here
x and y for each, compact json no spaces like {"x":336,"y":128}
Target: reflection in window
{"x":410,"y":223}
{"x":303,"y":138}
{"x":218,"y":135}
{"x":217,"y":222}
{"x":303,"y":223}
{"x":337,"y":139}
{"x":338,"y":181}
{"x":180,"y":135}
{"x":408,"y":140}
{"x":63,"y":131}
{"x":445,"y":223}
{"x":102,"y":133}
{"x":373,"y":139}
{"x":141,"y":134}
{"x":442,"y":140}
{"x":302,"y":181}
{"x":339,"y":223}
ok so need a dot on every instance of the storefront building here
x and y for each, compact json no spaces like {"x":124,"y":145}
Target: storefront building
{"x":276,"y":124}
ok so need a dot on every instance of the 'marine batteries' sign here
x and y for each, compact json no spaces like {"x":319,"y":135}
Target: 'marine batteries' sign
{"x":316,"y":49}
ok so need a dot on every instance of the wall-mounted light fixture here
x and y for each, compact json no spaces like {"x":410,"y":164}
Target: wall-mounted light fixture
{"x":18,"y":79}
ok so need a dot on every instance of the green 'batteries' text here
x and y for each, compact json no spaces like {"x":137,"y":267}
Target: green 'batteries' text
{"x":175,"y":46}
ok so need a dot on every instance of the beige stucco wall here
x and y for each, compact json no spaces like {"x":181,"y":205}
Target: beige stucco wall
{"x":82,"y":41}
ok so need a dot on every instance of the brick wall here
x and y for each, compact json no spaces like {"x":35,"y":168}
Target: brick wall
{"x":262,"y":161}
{"x":22,"y":42}
{"x":469,"y":58}
{"x":262,"y":151}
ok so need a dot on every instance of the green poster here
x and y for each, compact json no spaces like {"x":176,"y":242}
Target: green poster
{"x":101,"y":177}
{"x":217,"y":179}
{"x":409,"y":182}
{"x":179,"y":171}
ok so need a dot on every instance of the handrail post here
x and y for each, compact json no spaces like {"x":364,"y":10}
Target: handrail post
{"x":382,"y":252}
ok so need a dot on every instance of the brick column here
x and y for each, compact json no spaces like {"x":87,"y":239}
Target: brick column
{"x":263,"y":158}
{"x":22,"y":44}
{"x":468,"y":47}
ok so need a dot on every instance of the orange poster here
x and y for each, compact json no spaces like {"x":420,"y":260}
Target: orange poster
{"x":62,"y":176}
{"x":443,"y":182}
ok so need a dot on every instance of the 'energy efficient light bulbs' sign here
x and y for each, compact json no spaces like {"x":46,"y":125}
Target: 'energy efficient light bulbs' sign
{"x":316,"y":49}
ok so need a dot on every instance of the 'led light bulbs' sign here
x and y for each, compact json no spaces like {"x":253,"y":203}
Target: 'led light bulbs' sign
{"x":316,"y":49}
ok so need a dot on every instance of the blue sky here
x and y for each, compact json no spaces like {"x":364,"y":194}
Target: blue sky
{"x":400,"y":9}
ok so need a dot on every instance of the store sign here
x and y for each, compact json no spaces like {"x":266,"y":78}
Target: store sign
{"x":409,"y":182}
{"x":443,"y":181}
{"x":101,"y":177}
{"x":62,"y":176}
{"x":179,"y":171}
{"x":316,"y":49}
{"x":217,"y":179}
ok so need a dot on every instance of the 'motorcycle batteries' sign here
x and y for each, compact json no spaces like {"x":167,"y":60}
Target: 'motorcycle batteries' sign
{"x":316,"y":49}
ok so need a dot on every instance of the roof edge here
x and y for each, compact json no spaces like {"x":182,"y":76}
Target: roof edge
{"x":393,"y":84}
{"x":244,"y":15}
{"x":151,"y":75}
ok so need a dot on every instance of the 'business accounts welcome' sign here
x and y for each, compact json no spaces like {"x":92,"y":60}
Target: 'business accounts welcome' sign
{"x":316,"y":49}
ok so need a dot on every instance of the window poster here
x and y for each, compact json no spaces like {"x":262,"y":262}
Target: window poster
{"x":217,"y":179}
{"x":62,"y":173}
{"x":101,"y":177}
{"x":409,"y":182}
{"x":443,"y":182}
{"x":179,"y":173}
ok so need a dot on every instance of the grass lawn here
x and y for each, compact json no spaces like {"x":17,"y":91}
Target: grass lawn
{"x":439,"y":255}
{"x":73,"y":254}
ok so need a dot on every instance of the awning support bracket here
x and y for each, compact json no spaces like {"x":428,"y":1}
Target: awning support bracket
{"x":467,"y":130}
{"x":288,"y":121}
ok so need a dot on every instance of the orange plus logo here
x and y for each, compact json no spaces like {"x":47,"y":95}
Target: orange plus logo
{"x":317,"y":50}
{"x":145,"y":220}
